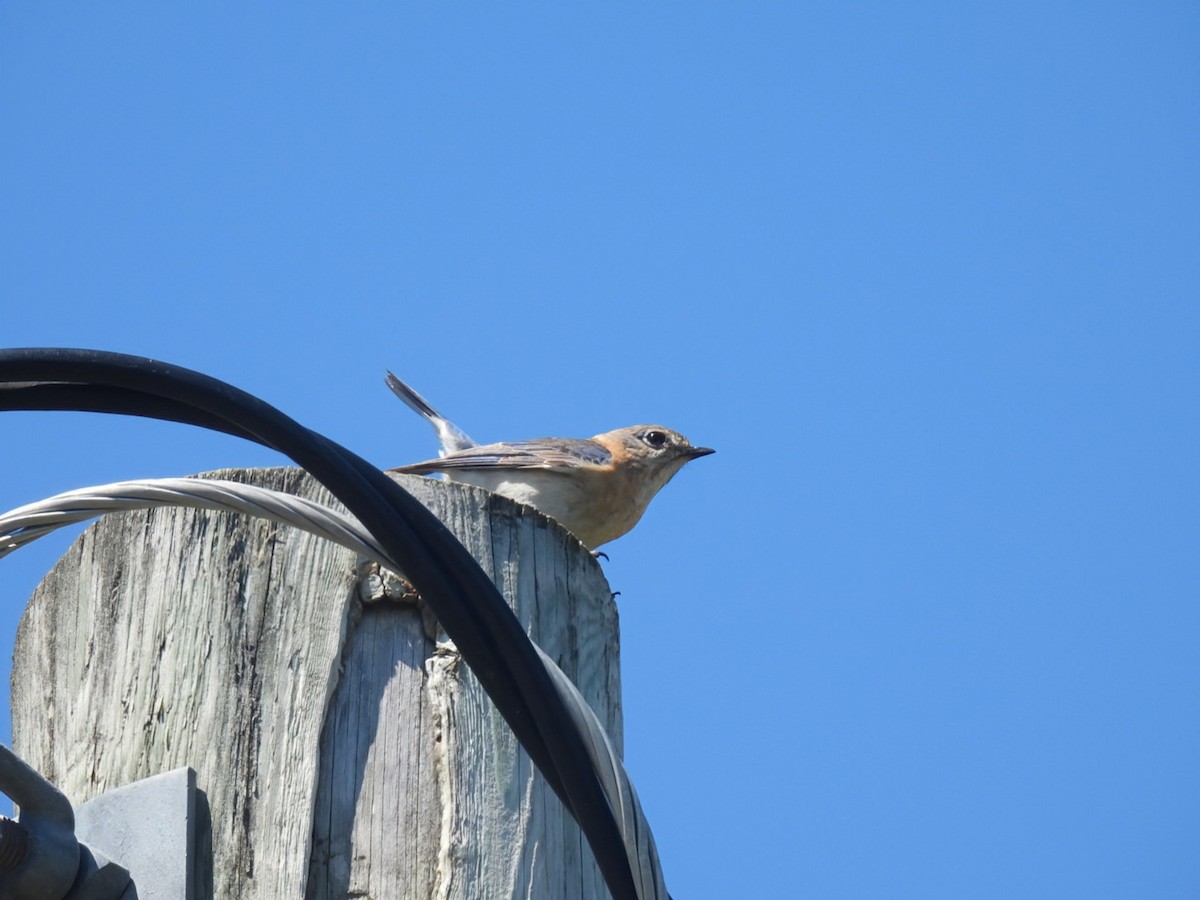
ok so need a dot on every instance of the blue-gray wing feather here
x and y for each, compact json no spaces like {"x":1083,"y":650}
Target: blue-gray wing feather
{"x":542,"y":453}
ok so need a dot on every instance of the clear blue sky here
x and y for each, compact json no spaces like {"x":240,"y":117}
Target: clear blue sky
{"x":926,"y":275}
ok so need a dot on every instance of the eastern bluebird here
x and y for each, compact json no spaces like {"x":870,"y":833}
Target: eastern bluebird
{"x":597,"y":487}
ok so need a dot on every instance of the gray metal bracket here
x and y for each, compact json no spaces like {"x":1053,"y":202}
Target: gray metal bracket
{"x":137,"y":842}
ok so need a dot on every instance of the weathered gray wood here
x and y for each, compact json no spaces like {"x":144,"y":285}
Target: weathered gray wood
{"x":343,"y":750}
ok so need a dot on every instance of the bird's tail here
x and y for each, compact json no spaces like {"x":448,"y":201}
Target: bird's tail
{"x":450,"y":436}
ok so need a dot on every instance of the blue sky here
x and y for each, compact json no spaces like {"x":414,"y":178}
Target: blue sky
{"x":925,"y":275}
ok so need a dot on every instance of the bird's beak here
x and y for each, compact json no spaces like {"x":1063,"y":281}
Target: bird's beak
{"x":697,"y":452}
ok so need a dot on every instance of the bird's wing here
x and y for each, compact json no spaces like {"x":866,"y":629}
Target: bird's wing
{"x":542,"y":453}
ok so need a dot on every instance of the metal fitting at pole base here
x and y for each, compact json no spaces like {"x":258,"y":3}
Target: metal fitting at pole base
{"x":49,"y":863}
{"x":14,"y":844}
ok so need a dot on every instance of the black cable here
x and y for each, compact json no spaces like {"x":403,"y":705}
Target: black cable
{"x":46,"y":397}
{"x":467,"y":604}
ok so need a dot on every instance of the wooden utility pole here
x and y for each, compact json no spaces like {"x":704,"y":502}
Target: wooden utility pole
{"x":342,"y":749}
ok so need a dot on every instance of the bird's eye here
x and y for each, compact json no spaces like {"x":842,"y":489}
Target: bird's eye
{"x":656,"y":439}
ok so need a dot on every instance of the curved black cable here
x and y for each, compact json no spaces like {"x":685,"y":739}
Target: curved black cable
{"x":65,"y":397}
{"x":473,"y":613}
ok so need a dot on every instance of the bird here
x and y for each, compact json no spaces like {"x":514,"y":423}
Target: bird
{"x":597,"y":488}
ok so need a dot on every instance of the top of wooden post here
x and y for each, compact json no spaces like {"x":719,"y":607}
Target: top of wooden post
{"x":339,"y":747}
